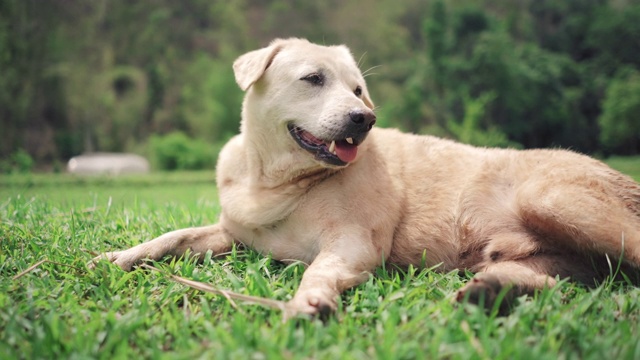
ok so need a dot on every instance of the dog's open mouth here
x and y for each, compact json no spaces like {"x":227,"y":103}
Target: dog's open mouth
{"x":338,"y":152}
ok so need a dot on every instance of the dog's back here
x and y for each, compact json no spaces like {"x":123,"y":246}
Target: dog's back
{"x":468,"y":207}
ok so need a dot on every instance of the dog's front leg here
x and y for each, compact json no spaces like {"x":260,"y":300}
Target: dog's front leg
{"x":198,"y":240}
{"x":327,"y":277}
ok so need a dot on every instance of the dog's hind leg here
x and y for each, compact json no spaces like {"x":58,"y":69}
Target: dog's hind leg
{"x":592,"y":214}
{"x":515,"y":278}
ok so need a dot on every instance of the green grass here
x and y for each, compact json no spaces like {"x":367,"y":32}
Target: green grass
{"x":628,"y":165}
{"x":62,"y":310}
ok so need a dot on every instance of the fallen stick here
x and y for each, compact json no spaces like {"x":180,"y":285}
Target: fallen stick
{"x":229,"y":295}
{"x":34,"y":266}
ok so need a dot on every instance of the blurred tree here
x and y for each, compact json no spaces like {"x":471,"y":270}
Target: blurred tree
{"x":620,"y":118}
{"x":614,"y":36}
{"x":438,"y":44}
{"x":470,"y":131}
{"x":210,"y":101}
{"x":106,"y":74}
{"x":543,"y":95}
{"x":563,"y":26}
{"x":30,"y":109}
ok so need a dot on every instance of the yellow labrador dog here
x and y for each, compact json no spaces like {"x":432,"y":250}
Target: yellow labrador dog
{"x":310,"y":179}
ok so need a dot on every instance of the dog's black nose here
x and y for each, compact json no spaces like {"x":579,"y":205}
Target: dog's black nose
{"x":366,"y":118}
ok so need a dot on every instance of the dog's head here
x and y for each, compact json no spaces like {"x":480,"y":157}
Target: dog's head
{"x":315,"y":95}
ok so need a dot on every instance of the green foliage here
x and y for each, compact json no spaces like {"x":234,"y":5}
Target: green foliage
{"x":210,"y":100}
{"x":615,"y":34}
{"x":177,"y":151}
{"x":468,"y":22}
{"x":24,"y":57}
{"x":435,"y":29}
{"x":19,"y":162}
{"x":105,"y":75}
{"x":620,"y":118}
{"x":469,"y":130}
{"x":124,"y":99}
{"x":563,"y":26}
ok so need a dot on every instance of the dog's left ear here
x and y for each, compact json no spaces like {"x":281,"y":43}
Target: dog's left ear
{"x":248,"y":68}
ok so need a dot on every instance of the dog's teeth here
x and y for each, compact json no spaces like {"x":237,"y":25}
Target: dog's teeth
{"x":350,"y":140}
{"x":332,"y":147}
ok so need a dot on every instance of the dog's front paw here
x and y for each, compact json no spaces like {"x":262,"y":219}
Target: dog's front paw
{"x":124,"y":259}
{"x":311,"y":304}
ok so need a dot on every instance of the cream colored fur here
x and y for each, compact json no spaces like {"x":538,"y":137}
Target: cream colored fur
{"x":518,"y":218}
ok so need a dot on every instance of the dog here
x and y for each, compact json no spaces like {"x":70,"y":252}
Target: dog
{"x":310,"y":178}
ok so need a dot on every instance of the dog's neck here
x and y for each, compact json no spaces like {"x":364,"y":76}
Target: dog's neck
{"x":277,"y":164}
{"x":271,"y":182}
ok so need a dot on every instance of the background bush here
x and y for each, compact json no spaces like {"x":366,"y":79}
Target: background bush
{"x":177,"y":151}
{"x":620,"y":118}
{"x":19,"y":162}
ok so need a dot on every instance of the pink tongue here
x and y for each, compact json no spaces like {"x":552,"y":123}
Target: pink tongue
{"x":345,"y":151}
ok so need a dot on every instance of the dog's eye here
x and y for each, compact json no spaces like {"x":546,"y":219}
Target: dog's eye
{"x":358,"y":91}
{"x":315,"y":79}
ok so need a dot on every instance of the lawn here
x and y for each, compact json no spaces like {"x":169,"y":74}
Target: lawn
{"x":59,"y":309}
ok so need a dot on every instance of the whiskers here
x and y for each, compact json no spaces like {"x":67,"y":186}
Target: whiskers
{"x":368,"y":71}
{"x":361,"y":57}
{"x":376,"y":108}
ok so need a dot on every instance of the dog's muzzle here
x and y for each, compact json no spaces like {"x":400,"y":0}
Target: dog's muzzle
{"x":341,"y":149}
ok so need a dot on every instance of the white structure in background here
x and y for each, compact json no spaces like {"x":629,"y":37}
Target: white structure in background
{"x":108,"y":163}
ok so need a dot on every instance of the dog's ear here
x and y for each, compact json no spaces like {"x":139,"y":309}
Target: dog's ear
{"x":248,"y":68}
